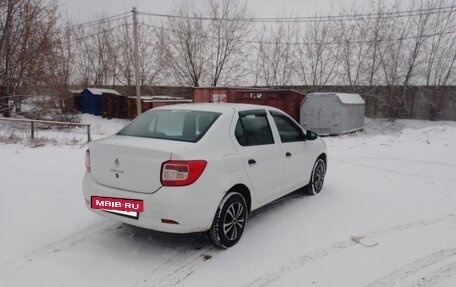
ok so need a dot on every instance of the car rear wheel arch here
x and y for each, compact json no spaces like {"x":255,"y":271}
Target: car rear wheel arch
{"x":323,"y":157}
{"x":245,"y":192}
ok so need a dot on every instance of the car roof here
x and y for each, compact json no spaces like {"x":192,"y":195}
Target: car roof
{"x":216,"y":107}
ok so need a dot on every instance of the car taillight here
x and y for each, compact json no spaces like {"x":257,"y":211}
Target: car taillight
{"x":87,"y":160}
{"x":181,"y":172}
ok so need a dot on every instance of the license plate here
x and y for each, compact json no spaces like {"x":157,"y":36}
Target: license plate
{"x":122,"y":206}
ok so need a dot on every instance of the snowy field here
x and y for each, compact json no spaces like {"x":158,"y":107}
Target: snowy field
{"x":386,"y":217}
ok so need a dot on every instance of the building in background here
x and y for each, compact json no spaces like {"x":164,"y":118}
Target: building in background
{"x":91,"y":100}
{"x":332,"y":113}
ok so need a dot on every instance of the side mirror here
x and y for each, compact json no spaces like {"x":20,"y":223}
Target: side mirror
{"x":310,"y":135}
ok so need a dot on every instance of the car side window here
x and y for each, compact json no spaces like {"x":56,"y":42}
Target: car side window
{"x":253,"y":129}
{"x":288,"y":130}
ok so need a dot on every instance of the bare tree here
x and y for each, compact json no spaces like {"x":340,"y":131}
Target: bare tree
{"x":440,"y":58}
{"x":441,"y":47}
{"x":317,"y":56}
{"x":276,"y":54}
{"x":186,"y":42}
{"x":97,"y":54}
{"x":152,"y":55}
{"x":58,"y":66}
{"x":25,"y":41}
{"x":229,"y":26}
{"x":377,"y":29}
{"x":125,"y":61}
{"x":152,"y":52}
{"x":420,"y":26}
{"x":205,"y":44}
{"x":390,"y":51}
{"x":82,"y":65}
{"x":354,"y":50}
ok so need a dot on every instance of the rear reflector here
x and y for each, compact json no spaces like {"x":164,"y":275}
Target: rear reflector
{"x":170,"y":221}
{"x":181,"y":172}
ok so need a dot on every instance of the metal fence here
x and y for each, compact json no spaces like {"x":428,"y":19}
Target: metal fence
{"x":33,"y":122}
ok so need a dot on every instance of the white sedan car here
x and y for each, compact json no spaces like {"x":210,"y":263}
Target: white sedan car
{"x":201,"y":168}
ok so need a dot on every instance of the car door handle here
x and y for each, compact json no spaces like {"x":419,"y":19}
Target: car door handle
{"x":288,"y":154}
{"x":252,"y":161}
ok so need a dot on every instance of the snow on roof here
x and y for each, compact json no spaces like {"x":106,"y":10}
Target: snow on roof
{"x":97,"y":91}
{"x":148,"y":97}
{"x":75,"y":91}
{"x":344,"y":98}
{"x":352,"y":99}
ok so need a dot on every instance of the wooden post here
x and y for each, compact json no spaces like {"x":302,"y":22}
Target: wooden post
{"x":88,"y":133}
{"x":32,"y":128}
{"x":136,"y":56}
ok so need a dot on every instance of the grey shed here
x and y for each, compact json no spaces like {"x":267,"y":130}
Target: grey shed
{"x":332,"y":113}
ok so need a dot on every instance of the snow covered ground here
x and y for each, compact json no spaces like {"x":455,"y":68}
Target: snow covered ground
{"x":386,"y":217}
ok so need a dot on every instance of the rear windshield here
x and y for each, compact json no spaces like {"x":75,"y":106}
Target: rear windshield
{"x":177,"y":125}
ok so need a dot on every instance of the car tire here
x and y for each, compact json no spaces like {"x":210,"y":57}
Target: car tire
{"x":229,"y":221}
{"x":317,"y":177}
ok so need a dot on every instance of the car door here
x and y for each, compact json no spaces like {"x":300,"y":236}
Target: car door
{"x":261,"y":155}
{"x":298,"y":159}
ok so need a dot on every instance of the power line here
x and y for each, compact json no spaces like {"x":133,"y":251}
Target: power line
{"x":102,"y":32}
{"x":253,"y":41}
{"x":77,"y":26}
{"x":71,"y":40}
{"x":348,"y":17}
{"x":92,"y":23}
{"x":326,"y":18}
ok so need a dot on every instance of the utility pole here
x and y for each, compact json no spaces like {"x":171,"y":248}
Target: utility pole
{"x":136,"y":55}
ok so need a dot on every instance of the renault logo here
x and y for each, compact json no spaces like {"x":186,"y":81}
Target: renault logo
{"x":117,"y":172}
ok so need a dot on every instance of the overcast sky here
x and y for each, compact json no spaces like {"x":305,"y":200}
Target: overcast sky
{"x":88,"y":9}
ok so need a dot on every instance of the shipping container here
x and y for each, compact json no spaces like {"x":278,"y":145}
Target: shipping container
{"x":114,"y":106}
{"x":283,"y":99}
{"x":150,"y":102}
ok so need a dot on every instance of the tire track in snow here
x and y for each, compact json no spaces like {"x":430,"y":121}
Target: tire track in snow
{"x":414,"y":268}
{"x":174,"y":271}
{"x":393,"y":171}
{"x":425,"y":162}
{"x":437,"y":276}
{"x":170,"y":273}
{"x":55,"y":247}
{"x":270,"y":277}
{"x":177,"y":269}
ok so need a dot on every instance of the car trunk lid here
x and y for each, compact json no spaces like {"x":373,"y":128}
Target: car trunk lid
{"x":131,"y":163}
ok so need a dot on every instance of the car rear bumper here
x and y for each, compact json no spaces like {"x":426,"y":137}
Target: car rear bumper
{"x":192,"y":207}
